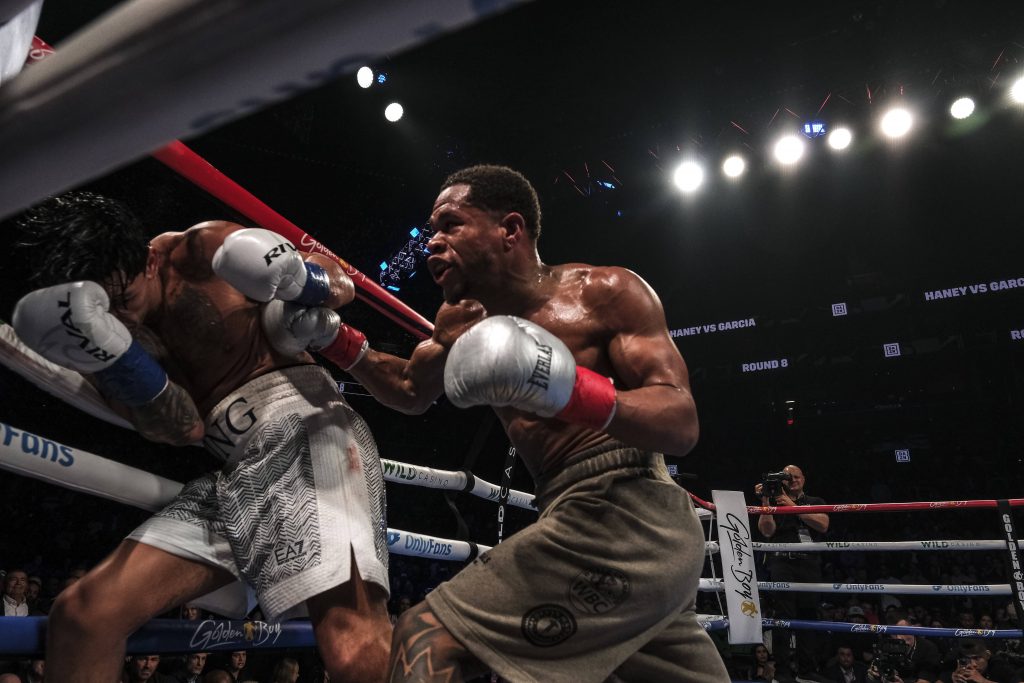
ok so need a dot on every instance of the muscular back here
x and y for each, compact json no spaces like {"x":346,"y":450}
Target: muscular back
{"x":210,"y":333}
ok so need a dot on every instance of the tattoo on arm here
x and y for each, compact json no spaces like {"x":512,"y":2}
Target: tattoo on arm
{"x":172,"y":417}
{"x":424,"y":651}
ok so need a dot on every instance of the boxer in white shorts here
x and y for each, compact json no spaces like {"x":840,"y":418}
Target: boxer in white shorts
{"x":169,"y":330}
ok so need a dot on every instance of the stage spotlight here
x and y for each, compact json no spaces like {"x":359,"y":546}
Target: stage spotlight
{"x":364,"y":77}
{"x":962,"y":108}
{"x":897,"y":122}
{"x":734,"y":166}
{"x":840,"y":138}
{"x":688,"y":176}
{"x":789,"y":149}
{"x":393,"y":112}
{"x":1017,"y":91}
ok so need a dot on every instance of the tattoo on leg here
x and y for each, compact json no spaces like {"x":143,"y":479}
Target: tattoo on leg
{"x":425,"y":652}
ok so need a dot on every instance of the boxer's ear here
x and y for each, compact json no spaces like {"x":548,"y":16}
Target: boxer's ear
{"x":515,"y":228}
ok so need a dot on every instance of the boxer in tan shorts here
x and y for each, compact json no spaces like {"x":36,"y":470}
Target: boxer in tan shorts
{"x":579,"y":365}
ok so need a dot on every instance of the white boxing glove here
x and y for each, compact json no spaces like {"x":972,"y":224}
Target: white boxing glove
{"x":292,"y":328}
{"x":508,"y":361}
{"x":263,"y":265}
{"x":70,"y":325}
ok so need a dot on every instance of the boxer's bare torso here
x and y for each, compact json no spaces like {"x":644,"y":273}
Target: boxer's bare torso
{"x":205,"y":333}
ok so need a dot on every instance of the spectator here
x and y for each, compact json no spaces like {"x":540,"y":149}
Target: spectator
{"x":28,"y":672}
{"x":15,"y":586}
{"x":965,"y":618}
{"x":236,"y":665}
{"x":286,"y":671}
{"x":141,"y":668}
{"x":860,"y":643}
{"x":35,"y":672}
{"x":973,"y":664}
{"x":32,"y":591}
{"x":218,"y":676}
{"x":191,"y":613}
{"x":846,"y":668}
{"x":763,"y":666}
{"x":192,"y":671}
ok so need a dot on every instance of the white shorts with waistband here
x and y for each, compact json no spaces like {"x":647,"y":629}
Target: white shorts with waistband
{"x":302,"y":484}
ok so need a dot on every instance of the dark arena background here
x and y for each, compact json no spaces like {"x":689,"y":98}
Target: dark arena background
{"x":859,"y":313}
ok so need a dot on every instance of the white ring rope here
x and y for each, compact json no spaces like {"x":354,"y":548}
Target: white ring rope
{"x":841,"y":546}
{"x":449,"y":480}
{"x":40,"y":458}
{"x":708,"y":585}
{"x":150,"y":71}
{"x":67,"y":385}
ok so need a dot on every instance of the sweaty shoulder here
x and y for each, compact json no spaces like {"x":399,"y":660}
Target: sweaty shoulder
{"x":614,"y":294}
{"x":605,"y":284}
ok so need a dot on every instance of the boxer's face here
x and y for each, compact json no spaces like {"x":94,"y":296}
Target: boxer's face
{"x":465,"y":247}
{"x":139,"y":296}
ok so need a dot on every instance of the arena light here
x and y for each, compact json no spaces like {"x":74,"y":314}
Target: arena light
{"x":962,"y":108}
{"x":1017,"y":91}
{"x":364,"y":77}
{"x":688,"y":176}
{"x":393,"y":112}
{"x":840,"y":138}
{"x":789,"y":150}
{"x":896,"y":123}
{"x":734,"y":166}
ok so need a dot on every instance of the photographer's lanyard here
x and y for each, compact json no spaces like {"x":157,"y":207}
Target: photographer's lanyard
{"x":802,"y":531}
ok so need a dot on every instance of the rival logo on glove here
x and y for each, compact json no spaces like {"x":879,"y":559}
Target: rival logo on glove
{"x":73,"y":331}
{"x":279,"y":250}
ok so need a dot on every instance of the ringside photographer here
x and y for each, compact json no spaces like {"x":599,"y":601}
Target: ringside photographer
{"x":904,"y":658}
{"x":973,"y":662}
{"x":786,"y":489}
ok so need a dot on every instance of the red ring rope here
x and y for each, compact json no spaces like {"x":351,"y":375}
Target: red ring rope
{"x":204,"y":175}
{"x":864,"y":507}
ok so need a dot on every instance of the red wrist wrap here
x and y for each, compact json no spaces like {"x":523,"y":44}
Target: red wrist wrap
{"x":592,"y":402}
{"x":347,"y":348}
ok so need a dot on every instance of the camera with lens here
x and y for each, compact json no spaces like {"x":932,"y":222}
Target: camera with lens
{"x":892,"y":656}
{"x":772,"y":482}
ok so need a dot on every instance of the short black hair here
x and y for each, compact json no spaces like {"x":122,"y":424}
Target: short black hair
{"x":500,"y":188}
{"x":80,"y":236}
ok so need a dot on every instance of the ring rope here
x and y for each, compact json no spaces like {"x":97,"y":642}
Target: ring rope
{"x":194,"y":168}
{"x":40,"y":458}
{"x":708,"y":585}
{"x":866,"y":507}
{"x":67,"y":385}
{"x":452,"y":480}
{"x":717,"y":622}
{"x":26,"y":636}
{"x":840,"y":546}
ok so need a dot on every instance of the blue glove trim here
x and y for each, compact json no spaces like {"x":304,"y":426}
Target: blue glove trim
{"x":134,"y":379}
{"x":317,"y":287}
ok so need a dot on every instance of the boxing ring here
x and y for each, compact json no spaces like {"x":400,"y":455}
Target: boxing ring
{"x":35,"y":456}
{"x":148,"y":97}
